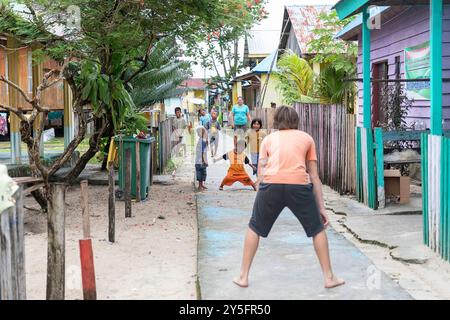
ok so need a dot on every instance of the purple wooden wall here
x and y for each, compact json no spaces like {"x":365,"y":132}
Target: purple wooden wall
{"x":409,"y":28}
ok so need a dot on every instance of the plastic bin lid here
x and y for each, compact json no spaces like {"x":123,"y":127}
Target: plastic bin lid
{"x":131,"y":139}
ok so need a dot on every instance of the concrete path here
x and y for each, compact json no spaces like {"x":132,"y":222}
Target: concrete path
{"x":285,"y":266}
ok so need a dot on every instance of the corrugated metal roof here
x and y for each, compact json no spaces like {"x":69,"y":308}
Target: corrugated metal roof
{"x":304,"y":19}
{"x":265,"y":65}
{"x":262,"y":42}
{"x":194,"y":83}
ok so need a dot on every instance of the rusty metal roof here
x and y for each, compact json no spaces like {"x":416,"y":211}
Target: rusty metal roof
{"x":303,"y":20}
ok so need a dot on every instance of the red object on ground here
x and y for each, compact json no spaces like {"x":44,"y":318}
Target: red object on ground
{"x":87,"y":270}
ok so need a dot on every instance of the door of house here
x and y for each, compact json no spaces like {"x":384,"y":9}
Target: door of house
{"x":380,"y":72}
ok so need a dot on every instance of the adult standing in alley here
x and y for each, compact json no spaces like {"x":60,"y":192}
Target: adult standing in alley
{"x":240,"y":117}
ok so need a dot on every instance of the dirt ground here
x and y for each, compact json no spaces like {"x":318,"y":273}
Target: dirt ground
{"x":154,"y":256}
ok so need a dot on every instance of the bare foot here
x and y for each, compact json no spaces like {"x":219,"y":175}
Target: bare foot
{"x":204,"y":188}
{"x":240,"y":282}
{"x":333,"y":282}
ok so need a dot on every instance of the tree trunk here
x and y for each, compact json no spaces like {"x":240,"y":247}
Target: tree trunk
{"x":56,"y":243}
{"x":94,"y":143}
{"x":40,"y":199}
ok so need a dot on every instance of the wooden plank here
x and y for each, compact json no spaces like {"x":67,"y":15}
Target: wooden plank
{"x":138,"y":172}
{"x":111,"y":204}
{"x":87,"y":270}
{"x":21,"y":274}
{"x":6,"y":285}
{"x":424,"y":172}
{"x":380,"y":167}
{"x":33,"y":188}
{"x":56,"y":244}
{"x":414,"y":135}
{"x":13,"y":224}
{"x":25,"y":180}
{"x":127,"y":191}
{"x":85,"y":209}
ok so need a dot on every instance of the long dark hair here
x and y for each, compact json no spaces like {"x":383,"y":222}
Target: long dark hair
{"x":256,"y":120}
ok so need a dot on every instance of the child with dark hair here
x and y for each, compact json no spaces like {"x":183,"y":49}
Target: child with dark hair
{"x":236,"y":172}
{"x":288,"y":177}
{"x":213,"y":127}
{"x":178,"y":127}
{"x":254,"y":138}
{"x":201,"y":157}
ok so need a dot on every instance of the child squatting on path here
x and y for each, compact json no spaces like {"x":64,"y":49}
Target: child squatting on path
{"x":236,"y":172}
{"x":288,"y":177}
{"x":201,"y":157}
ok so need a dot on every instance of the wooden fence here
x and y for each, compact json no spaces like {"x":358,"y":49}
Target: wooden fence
{"x":164,"y":143}
{"x":266,"y":115}
{"x":333,"y":131}
{"x":436,"y":193}
{"x":12,"y":254}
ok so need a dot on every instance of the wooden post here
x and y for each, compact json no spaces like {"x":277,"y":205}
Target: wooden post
{"x":127,"y":191}
{"x":138,"y":172}
{"x":21,"y":278}
{"x":380,"y":167}
{"x":85,"y":209}
{"x":87,"y":270}
{"x":111,"y":204}
{"x":436,"y":11}
{"x":6,"y":286}
{"x":56,"y":243}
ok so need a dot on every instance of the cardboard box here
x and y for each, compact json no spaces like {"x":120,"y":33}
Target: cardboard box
{"x":396,"y":186}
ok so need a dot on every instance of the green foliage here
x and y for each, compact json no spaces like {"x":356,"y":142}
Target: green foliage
{"x":341,"y":55}
{"x":106,"y":94}
{"x":295,"y":79}
{"x":135,"y":123}
{"x":160,"y":79}
{"x":332,"y":89}
{"x":395,"y":106}
{"x":217,"y":47}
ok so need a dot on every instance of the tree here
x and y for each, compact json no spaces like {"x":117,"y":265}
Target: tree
{"x":328,"y":50}
{"x":99,"y":59}
{"x":161,"y":78}
{"x":218,"y":48}
{"x":295,"y":79}
{"x":338,"y":59}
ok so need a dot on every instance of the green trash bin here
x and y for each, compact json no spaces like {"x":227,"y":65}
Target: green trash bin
{"x":145,"y":153}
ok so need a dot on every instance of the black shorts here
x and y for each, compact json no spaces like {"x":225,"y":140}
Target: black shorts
{"x":200,"y":171}
{"x":273,"y":198}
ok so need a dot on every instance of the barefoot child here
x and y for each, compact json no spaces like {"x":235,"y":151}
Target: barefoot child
{"x":201,"y":157}
{"x":289,"y":178}
{"x":236,"y":172}
{"x":213,"y":128}
{"x":254,"y":138}
{"x":178,"y":127}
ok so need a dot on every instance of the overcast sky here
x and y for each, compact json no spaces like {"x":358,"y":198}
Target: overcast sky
{"x":273,"y":22}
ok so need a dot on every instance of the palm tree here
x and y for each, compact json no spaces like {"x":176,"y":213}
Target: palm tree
{"x":160,"y":80}
{"x":295,"y":78}
{"x":332,"y":88}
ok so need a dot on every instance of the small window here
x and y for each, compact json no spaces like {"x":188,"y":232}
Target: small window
{"x":30,"y":72}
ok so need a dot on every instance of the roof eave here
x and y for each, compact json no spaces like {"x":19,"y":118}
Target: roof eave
{"x":347,"y":8}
